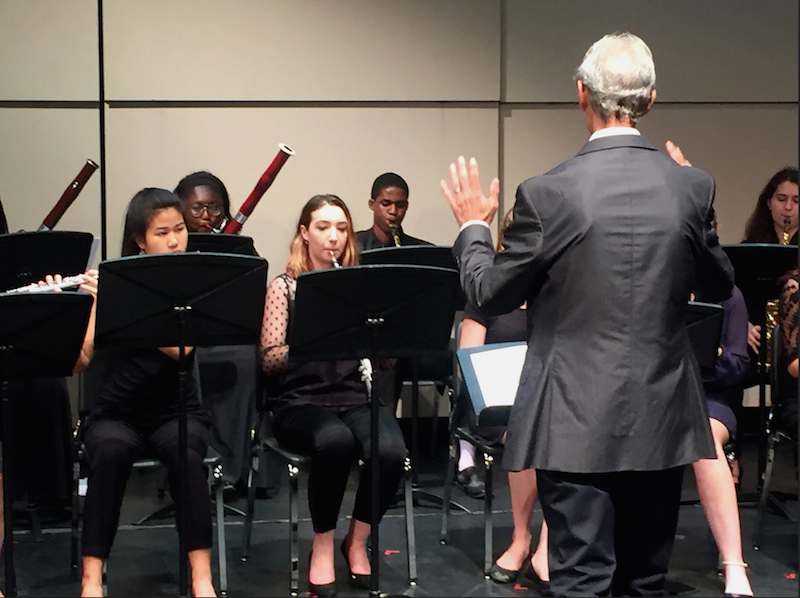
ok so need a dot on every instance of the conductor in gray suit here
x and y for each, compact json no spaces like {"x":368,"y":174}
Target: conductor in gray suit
{"x":605,"y":248}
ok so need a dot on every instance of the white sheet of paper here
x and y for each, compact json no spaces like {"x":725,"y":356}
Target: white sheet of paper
{"x":498,"y":372}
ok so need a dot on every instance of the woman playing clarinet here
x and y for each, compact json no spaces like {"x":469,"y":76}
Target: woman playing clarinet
{"x":320,"y":408}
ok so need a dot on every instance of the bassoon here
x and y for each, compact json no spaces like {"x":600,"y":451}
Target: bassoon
{"x":69,"y":195}
{"x":264,"y":183}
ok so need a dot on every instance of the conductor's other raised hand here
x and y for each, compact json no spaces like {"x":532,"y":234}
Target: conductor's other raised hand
{"x":676,"y":154}
{"x":465,"y":196}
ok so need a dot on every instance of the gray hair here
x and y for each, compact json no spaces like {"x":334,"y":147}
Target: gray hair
{"x":619,"y":76}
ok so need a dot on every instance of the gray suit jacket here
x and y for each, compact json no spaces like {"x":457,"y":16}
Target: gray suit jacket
{"x":605,"y":248}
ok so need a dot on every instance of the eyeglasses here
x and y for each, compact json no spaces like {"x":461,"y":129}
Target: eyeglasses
{"x":213,"y":209}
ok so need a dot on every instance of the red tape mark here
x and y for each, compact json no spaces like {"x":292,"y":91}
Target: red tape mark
{"x":389,"y":551}
{"x":791,"y":576}
{"x":519,"y":587}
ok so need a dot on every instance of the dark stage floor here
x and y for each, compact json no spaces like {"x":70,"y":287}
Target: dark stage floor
{"x":144,"y":562}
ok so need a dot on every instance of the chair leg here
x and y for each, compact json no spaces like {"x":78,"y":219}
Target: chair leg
{"x":411,"y":538}
{"x":251,"y":506}
{"x":435,"y":421}
{"x":487,"y":517}
{"x":75,"y":534}
{"x":294,"y":569}
{"x":762,"y":505}
{"x":219,"y":486}
{"x":448,"y":490}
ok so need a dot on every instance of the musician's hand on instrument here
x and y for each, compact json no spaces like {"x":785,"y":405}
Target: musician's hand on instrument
{"x":466,"y":197}
{"x":754,"y":337}
{"x":90,"y":282}
{"x":676,"y":154}
{"x":50,"y":280}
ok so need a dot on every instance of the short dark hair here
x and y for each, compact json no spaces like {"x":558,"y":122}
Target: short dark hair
{"x":141,"y":209}
{"x":388,"y":179}
{"x":203,"y":178}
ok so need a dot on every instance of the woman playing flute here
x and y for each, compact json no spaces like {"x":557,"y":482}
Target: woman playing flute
{"x":136,"y":411}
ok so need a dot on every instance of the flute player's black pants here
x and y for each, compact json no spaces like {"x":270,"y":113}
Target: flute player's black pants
{"x":112,"y":446}
{"x":335,"y":438}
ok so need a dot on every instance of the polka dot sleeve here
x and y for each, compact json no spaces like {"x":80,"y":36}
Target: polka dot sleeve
{"x":274,"y":326}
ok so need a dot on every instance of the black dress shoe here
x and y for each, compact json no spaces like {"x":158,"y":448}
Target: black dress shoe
{"x":357,"y":580}
{"x":530,"y":579}
{"x":471,"y":483}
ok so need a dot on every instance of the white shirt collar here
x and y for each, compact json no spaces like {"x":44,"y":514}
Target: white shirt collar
{"x":610,"y":131}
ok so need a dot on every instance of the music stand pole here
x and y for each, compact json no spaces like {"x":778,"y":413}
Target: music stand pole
{"x":8,"y":496}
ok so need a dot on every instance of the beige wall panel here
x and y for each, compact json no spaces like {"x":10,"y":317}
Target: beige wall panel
{"x":339,"y":151}
{"x":41,"y":153}
{"x":704,"y":51}
{"x":303,"y":50}
{"x":740,"y":146}
{"x":49,"y":50}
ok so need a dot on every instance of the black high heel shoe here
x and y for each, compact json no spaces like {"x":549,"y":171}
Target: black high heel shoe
{"x":327,"y":590}
{"x":357,"y":580}
{"x":499,"y":575}
{"x":531,"y":579}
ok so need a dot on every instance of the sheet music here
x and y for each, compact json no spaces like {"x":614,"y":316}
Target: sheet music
{"x":497,"y":371}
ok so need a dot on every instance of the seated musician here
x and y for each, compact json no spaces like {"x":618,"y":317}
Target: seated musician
{"x":136,"y":410}
{"x":389,"y":205}
{"x":516,"y":563}
{"x":320,"y":408}
{"x":206,"y":202}
{"x":774,"y":220}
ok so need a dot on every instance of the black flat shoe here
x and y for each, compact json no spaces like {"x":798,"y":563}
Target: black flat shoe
{"x":499,"y":575}
{"x":357,"y":580}
{"x":471,"y":483}
{"x":530,"y":579}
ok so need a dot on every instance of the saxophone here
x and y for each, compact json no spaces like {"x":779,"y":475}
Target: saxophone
{"x":771,"y":316}
{"x":394,"y":229}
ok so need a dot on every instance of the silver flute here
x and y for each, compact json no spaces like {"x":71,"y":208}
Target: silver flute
{"x":66,"y":283}
{"x":366,"y":365}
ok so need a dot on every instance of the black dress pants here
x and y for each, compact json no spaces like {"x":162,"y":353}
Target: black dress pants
{"x":611,"y":534}
{"x":335,"y":439}
{"x":112,"y":446}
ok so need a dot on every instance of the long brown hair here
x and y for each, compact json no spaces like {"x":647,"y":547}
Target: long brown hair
{"x":299,"y":260}
{"x":760,"y":228}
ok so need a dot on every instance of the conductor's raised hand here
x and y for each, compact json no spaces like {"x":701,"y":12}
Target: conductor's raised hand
{"x":465,"y":196}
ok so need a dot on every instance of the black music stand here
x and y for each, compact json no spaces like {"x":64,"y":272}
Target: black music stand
{"x":439,"y":256}
{"x":372,"y":312}
{"x":29,"y":256}
{"x":757,"y":268}
{"x":40,"y":337}
{"x":180,"y":299}
{"x":219,"y":243}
